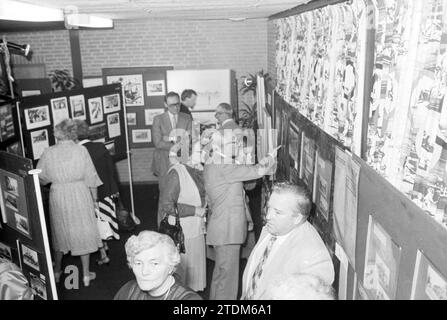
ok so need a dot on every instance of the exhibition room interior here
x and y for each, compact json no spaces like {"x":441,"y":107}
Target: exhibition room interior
{"x":337,"y":106}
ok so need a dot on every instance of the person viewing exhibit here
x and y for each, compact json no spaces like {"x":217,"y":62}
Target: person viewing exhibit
{"x":246,"y":150}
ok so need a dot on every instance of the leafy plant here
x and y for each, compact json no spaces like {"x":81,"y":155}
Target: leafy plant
{"x":62,"y":81}
{"x":247,"y":113}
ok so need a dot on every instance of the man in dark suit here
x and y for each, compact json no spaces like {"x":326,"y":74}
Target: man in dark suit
{"x":189,"y":100}
{"x":167,"y":129}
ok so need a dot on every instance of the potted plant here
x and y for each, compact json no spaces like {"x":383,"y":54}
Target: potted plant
{"x":61,"y":81}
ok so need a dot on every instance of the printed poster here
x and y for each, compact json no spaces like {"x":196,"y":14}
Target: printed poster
{"x":308,"y":162}
{"x":323,"y":186}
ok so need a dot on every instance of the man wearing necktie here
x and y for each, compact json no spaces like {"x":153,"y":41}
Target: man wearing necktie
{"x":288,"y":244}
{"x":168,"y":129}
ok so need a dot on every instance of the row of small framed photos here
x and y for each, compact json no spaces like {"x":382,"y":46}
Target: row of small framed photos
{"x":39,"y":116}
{"x":149,"y":115}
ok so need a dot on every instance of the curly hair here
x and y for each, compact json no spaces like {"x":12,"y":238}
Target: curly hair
{"x":66,"y":130}
{"x":147,"y":240}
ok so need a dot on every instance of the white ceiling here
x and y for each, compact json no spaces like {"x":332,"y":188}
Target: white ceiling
{"x":176,"y":9}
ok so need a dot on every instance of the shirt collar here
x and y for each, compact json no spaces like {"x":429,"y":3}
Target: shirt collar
{"x":226,"y":121}
{"x":83,"y":141}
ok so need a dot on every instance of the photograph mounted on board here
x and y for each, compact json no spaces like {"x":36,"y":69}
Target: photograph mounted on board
{"x":38,"y":284}
{"x":30,"y":257}
{"x":59,"y":107}
{"x":381,"y":263}
{"x":5,"y":251}
{"x":141,"y":136}
{"x":131,"y":119}
{"x":39,"y":142}
{"x":111,"y":103}
{"x":428,"y":282}
{"x":113,"y":125}
{"x":150,"y":114}
{"x":7,"y":130}
{"x":155,"y":88}
{"x":133,"y":88}
{"x":77,"y":104}
{"x":37,"y":117}
{"x":95,"y":110}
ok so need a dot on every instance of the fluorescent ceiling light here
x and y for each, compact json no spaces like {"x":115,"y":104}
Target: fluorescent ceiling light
{"x":88,"y":21}
{"x":19,"y":11}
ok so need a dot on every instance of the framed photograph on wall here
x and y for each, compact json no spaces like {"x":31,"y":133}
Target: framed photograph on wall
{"x":59,"y":107}
{"x":30,"y":257}
{"x":155,"y":88}
{"x":37,"y":117}
{"x":428,"y":282}
{"x":77,"y":104}
{"x":150,"y":114}
{"x":131,"y":119}
{"x":141,"y":136}
{"x":7,"y":130}
{"x":111,"y":103}
{"x":95,"y":110}
{"x":132,"y":86}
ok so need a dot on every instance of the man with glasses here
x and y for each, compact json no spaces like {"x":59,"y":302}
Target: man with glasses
{"x":168,"y":129}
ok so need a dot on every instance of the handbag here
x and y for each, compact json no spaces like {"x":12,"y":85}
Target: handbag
{"x":174,"y":231}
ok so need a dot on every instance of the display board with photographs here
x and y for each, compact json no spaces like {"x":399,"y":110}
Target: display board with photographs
{"x":428,"y":282}
{"x":323,"y":186}
{"x":307,"y":168}
{"x":144,"y":90}
{"x":101,"y":107}
{"x":7,"y":128}
{"x":23,"y":233}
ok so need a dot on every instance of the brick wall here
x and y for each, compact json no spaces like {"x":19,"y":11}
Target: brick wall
{"x":49,"y":47}
{"x":240,"y":46}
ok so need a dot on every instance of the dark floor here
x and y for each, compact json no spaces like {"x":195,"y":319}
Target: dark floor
{"x":110,"y":278}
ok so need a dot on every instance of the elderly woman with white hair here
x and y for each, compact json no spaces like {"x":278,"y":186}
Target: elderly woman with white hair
{"x":73,"y":194}
{"x":153,"y":258}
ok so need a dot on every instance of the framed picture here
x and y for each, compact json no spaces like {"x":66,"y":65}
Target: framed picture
{"x":7,"y":130}
{"x":111,"y":103}
{"x":141,"y":136}
{"x":5,"y":251}
{"x":149,"y":115}
{"x":428,"y":282}
{"x":113,"y":125}
{"x":37,"y":117}
{"x":77,"y":104}
{"x":131,"y":119}
{"x":132,"y":86}
{"x":39,"y":142}
{"x":95,"y":110}
{"x":59,"y":107}
{"x":98,"y":131}
{"x":38,"y":284}
{"x":30,"y":257}
{"x":155,"y":88}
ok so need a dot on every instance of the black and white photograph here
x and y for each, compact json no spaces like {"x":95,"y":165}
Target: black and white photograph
{"x":98,"y":131}
{"x":149,"y":115}
{"x":113,"y":125}
{"x":22,"y":224}
{"x":39,"y":142}
{"x":131,"y":119}
{"x":30,"y":257}
{"x":11,"y":185}
{"x":141,"y":136}
{"x":5,"y":251}
{"x":7,"y":130}
{"x":38,"y":284}
{"x":95,"y":110}
{"x":37,"y":117}
{"x":59,"y":107}
{"x":155,"y":88}
{"x":111,"y":103}
{"x":77,"y":104}
{"x":133,"y":88}
{"x":11,"y":201}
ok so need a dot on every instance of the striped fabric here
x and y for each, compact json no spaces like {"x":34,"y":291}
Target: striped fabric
{"x":107,"y":212}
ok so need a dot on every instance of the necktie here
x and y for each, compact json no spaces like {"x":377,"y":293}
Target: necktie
{"x":174,"y":121}
{"x":258,"y":271}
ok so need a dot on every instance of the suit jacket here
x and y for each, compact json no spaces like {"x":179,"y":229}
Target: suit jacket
{"x":303,"y":251}
{"x":105,"y":167}
{"x":184,"y":109}
{"x":227,"y":222}
{"x":162,"y":127}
